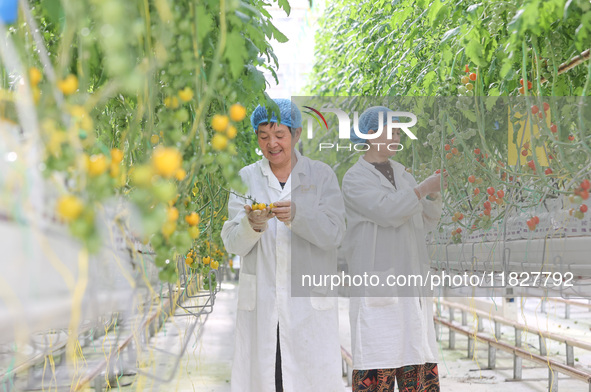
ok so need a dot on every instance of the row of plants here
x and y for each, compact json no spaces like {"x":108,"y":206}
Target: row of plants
{"x":144,"y":102}
{"x":509,"y":79}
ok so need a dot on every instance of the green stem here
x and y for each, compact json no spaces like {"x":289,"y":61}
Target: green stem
{"x":216,"y":67}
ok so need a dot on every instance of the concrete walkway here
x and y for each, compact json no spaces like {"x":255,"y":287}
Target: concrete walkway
{"x":207,"y":364}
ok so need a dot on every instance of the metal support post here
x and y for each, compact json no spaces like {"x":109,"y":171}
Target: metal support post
{"x":542,"y":345}
{"x":552,"y":380}
{"x":570,"y":355}
{"x":492,"y":356}
{"x":517,"y":367}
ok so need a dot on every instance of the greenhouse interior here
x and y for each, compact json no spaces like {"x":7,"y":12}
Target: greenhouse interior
{"x":295,"y":195}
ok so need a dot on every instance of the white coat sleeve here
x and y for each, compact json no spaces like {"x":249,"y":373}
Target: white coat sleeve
{"x":432,"y":209}
{"x":378,"y":204}
{"x":323,"y":226}
{"x":237,"y":234}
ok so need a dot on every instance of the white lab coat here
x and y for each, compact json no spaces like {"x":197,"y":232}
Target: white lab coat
{"x":386,"y":229}
{"x":309,"y":337}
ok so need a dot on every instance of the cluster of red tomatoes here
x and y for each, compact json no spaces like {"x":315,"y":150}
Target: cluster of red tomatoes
{"x":533,"y":223}
{"x":580,"y":193}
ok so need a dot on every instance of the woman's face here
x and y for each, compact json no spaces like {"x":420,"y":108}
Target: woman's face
{"x":275,"y":142}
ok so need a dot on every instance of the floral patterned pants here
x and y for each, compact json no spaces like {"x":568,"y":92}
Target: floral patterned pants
{"x":415,"y":378}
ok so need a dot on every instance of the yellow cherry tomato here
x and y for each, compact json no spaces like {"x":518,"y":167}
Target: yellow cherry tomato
{"x":166,"y":161}
{"x":97,"y":165}
{"x":168,"y":228}
{"x":237,"y":112}
{"x":35,"y":76}
{"x":186,"y":94}
{"x":206,"y":260}
{"x":219,"y":142}
{"x":180,"y":174}
{"x":215,"y":264}
{"x":172,"y":214}
{"x":69,"y":207}
{"x":69,"y":85}
{"x":171,"y":102}
{"x":194,"y":232}
{"x":192,"y":219}
{"x":219,"y":122}
{"x":116,"y":155}
{"x":231,"y":132}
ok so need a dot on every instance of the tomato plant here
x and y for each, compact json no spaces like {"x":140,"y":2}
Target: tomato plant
{"x":144,"y":101}
{"x":498,"y":60}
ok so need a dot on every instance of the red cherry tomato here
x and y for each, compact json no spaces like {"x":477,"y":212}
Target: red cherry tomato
{"x":553,"y":128}
{"x":471,"y":179}
{"x":476,"y":192}
{"x":472,"y":76}
{"x":477,"y":151}
{"x":546,"y":106}
{"x":486,"y":205}
{"x":548,"y":171}
{"x":447,"y":147}
{"x":490,"y":190}
{"x":583,"y":208}
{"x":535,"y":109}
{"x":500,"y":193}
{"x":536,"y":220}
{"x":586,"y":184}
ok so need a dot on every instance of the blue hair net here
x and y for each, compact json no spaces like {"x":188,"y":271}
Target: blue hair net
{"x":370,"y":121}
{"x":290,"y":115}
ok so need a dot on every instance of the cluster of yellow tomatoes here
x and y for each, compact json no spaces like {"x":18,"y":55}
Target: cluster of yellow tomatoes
{"x":224,"y":130}
{"x":261,"y":206}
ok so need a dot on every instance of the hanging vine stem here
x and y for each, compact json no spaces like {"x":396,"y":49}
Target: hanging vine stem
{"x":43,"y":55}
{"x":212,"y":79}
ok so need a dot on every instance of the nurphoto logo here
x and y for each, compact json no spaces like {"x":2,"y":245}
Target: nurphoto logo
{"x":393,"y":120}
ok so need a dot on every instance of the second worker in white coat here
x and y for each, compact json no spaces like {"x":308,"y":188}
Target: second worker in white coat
{"x":388,"y":215}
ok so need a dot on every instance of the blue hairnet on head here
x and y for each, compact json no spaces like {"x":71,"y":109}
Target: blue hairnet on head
{"x":290,"y":115}
{"x":370,"y":121}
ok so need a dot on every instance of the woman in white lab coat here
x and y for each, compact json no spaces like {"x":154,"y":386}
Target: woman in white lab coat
{"x":388,"y":215}
{"x":285,"y":342}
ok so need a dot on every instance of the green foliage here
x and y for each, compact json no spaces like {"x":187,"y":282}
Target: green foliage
{"x":134,"y":61}
{"x":421,"y":48}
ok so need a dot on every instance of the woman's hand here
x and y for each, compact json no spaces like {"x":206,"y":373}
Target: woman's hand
{"x":432,"y":185}
{"x":258,"y":219}
{"x":284,"y":210}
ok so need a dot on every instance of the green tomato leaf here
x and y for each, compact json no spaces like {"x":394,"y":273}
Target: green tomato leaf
{"x":235,"y":52}
{"x":204,"y":22}
{"x":285,"y":5}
